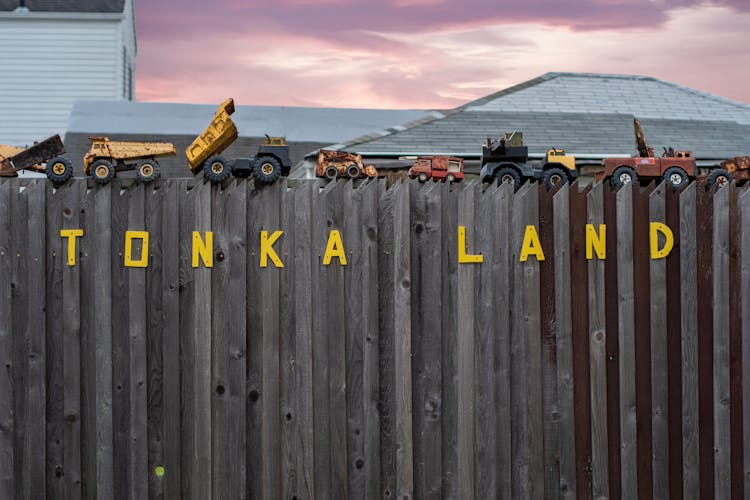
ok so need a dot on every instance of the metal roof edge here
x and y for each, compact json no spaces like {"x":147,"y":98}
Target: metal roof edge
{"x":46,"y":16}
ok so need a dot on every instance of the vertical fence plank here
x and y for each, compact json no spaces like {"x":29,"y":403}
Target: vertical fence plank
{"x":659,"y":355}
{"x":626,"y":334}
{"x":486,"y":302}
{"x":744,"y":224}
{"x":563,"y":337}
{"x":597,"y":353}
{"x":735,"y":350}
{"x":370,"y":323}
{"x":303,"y":314}
{"x":720,"y":348}
{"x":465,"y":344}
{"x":689,"y":342}
{"x":7,"y":424}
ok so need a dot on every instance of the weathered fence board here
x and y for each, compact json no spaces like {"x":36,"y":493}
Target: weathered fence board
{"x":401,"y":373}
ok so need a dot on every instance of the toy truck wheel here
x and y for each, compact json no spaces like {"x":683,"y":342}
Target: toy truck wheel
{"x":676,"y":176}
{"x":331,"y":172}
{"x":147,"y":170}
{"x":508,"y":175}
{"x":719,"y":177}
{"x":267,"y":169}
{"x":59,"y":169}
{"x":102,"y":171}
{"x":450,"y":178}
{"x":216,"y":169}
{"x":554,"y":177}
{"x":623,"y":175}
{"x":353,"y":171}
{"x":422,"y":177}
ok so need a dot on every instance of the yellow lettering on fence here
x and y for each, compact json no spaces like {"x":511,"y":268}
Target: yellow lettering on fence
{"x":71,"y":234}
{"x":334,"y":248}
{"x":596,"y":242}
{"x":531,"y":245}
{"x":266,"y":249}
{"x":463,"y":257}
{"x":656,"y":228}
{"x":129,"y":237}
{"x":204,"y":251}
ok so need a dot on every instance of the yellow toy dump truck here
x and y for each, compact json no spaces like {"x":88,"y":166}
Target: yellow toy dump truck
{"x":270,"y":162}
{"x":106,"y":157}
{"x":333,"y":164}
{"x":44,"y":157}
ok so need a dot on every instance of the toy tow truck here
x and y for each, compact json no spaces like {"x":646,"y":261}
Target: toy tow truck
{"x":437,"y":168}
{"x":506,"y":161}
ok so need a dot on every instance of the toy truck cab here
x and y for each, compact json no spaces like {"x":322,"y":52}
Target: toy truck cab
{"x":558,"y":168}
{"x":439,"y":168}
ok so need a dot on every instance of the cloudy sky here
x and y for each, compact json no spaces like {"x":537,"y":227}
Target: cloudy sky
{"x":427,"y":53}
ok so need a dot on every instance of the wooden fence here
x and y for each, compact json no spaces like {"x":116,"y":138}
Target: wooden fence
{"x":402,"y":374}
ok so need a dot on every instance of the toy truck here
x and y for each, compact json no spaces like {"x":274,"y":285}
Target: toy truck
{"x":674,"y":167}
{"x":44,"y":157}
{"x":437,"y":168}
{"x":270,"y":162}
{"x":106,"y":157}
{"x":333,"y":164}
{"x":735,"y":169}
{"x":507,"y":161}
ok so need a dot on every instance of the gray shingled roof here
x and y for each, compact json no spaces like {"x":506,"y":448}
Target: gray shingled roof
{"x":103,"y":6}
{"x":586,"y":114}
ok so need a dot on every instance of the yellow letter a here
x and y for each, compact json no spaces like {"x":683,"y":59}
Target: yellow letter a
{"x":531,"y":245}
{"x":266,"y":249}
{"x":334,"y":248}
{"x":656,"y":228}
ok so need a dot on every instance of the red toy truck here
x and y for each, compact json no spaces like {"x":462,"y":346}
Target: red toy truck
{"x":440,"y":168}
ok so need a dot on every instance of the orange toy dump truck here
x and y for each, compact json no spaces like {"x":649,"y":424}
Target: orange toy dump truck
{"x":106,"y":157}
{"x":43,"y":157}
{"x":439,"y":168}
{"x":333,"y":164}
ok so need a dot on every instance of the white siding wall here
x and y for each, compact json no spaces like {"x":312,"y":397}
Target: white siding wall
{"x":46,"y":63}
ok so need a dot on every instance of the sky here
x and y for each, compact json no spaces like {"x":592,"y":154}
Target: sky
{"x":427,"y":54}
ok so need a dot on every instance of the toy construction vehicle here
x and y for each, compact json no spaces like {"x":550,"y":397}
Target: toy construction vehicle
{"x":674,"y":167}
{"x":437,"y":168}
{"x":507,"y":162}
{"x":333,"y":164}
{"x":735,"y":169}
{"x":44,"y":157}
{"x":106,"y":157}
{"x":270,"y":162}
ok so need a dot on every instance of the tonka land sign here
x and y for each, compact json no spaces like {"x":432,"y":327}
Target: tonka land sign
{"x":136,"y":246}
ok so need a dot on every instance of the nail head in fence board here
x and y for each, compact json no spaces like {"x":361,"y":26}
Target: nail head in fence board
{"x":674,"y":347}
{"x":597,"y":354}
{"x":449,"y":363}
{"x":580,"y":343}
{"x":154,"y":293}
{"x":7,"y":459}
{"x":704,"y":288}
{"x":55,"y":362}
{"x":465,"y":341}
{"x":550,"y":398}
{"x":659,"y":354}
{"x":744,"y":214}
{"x":563,"y":337}
{"x":486,"y":330}
{"x":287,"y":345}
{"x":35,"y":436}
{"x":370,"y":321}
{"x":303,"y":292}
{"x":138,"y":432}
{"x":721,"y":345}
{"x":626,"y":334}
{"x":689,"y":342}
{"x":101,"y":337}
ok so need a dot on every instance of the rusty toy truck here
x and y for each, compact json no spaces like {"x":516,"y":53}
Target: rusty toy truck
{"x":44,"y":157}
{"x":437,"y":168}
{"x":271,"y":161}
{"x":106,"y":157}
{"x":333,"y":164}
{"x":675,"y":167}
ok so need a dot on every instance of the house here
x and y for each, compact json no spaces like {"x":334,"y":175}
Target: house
{"x":588,"y":115}
{"x":55,"y":52}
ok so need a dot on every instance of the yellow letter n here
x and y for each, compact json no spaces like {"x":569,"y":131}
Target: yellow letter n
{"x":596,"y":242}
{"x":267,"y":251}
{"x":463,"y":257}
{"x":204,"y":251}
